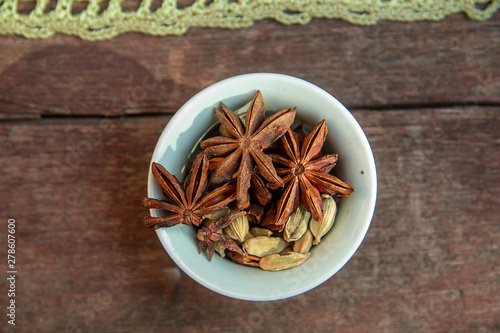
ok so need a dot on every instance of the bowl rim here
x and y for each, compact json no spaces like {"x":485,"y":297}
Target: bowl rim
{"x":234,"y":80}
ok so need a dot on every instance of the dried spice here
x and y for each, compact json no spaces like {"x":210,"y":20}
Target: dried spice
{"x":321,"y":227}
{"x":256,"y":231}
{"x":208,"y":235}
{"x":262,"y":246}
{"x":244,"y":149}
{"x":278,"y":262}
{"x":245,"y":259}
{"x":239,"y":229}
{"x":297,"y":224}
{"x":189,"y":203}
{"x":293,"y":194}
{"x":269,"y":218}
{"x":306,"y":174}
{"x":257,"y":183}
{"x":255,"y":213}
{"x":217,"y":215}
{"x":304,"y":244}
{"x":218,"y":248}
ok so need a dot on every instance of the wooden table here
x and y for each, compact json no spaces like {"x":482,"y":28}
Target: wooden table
{"x":79,"y":121}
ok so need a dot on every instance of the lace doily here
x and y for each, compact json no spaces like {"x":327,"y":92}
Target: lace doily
{"x":103,"y":19}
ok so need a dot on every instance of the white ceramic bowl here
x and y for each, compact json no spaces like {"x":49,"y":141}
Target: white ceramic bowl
{"x":356,"y":165}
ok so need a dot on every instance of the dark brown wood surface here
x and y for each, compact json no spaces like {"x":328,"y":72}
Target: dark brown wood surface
{"x":79,"y":121}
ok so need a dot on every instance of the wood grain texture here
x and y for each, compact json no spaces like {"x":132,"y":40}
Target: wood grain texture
{"x":79,"y":121}
{"x":448,"y":62}
{"x":430,"y":260}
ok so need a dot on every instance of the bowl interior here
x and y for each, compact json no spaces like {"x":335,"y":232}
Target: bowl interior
{"x":356,"y":165}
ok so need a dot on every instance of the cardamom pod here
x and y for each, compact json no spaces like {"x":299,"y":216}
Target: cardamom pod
{"x":256,"y":231}
{"x":277,"y":262}
{"x":297,"y":224}
{"x":303,"y":245}
{"x":320,"y":228}
{"x":262,"y":246}
{"x":238,"y":229}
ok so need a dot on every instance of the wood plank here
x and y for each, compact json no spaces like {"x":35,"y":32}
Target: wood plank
{"x":447,"y":62}
{"x":430,"y":261}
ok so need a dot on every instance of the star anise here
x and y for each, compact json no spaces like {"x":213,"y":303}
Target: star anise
{"x":208,"y":235}
{"x":258,"y":185}
{"x":306,"y":174}
{"x":189,"y":203}
{"x":243,"y":150}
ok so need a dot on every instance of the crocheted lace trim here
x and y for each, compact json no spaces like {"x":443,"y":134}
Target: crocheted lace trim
{"x":103,"y":19}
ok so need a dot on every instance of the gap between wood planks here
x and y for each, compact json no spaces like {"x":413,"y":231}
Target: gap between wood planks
{"x":383,"y":108}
